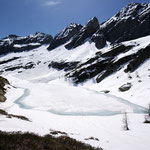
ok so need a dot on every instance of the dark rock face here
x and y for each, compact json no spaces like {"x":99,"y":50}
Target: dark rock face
{"x":99,"y":39}
{"x":102,"y":65}
{"x":84,"y":71}
{"x":29,"y":65}
{"x":116,"y":50}
{"x":139,"y":58}
{"x":132,"y":22}
{"x":3,"y":82}
{"x":14,"y":43}
{"x":9,"y":60}
{"x":65,"y":35}
{"x":113,"y":67}
{"x":67,"y":66}
{"x":87,"y":31}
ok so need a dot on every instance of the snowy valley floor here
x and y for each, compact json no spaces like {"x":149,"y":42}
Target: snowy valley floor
{"x":78,"y":111}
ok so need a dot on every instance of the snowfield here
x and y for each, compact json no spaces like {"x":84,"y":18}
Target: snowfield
{"x":51,"y":101}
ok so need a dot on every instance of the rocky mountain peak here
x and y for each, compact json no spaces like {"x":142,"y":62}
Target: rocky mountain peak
{"x":11,"y":36}
{"x":129,"y":23}
{"x":121,"y":27}
{"x":68,"y":31}
{"x":131,"y":10}
{"x":87,"y":31}
{"x":14,"y":43}
{"x":65,"y":35}
{"x":38,"y":37}
{"x":92,"y":23}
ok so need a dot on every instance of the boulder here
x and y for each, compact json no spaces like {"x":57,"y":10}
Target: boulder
{"x":125,"y":87}
{"x":105,"y":91}
{"x":2,"y":98}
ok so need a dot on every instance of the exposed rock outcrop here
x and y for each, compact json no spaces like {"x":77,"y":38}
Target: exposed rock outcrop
{"x":139,"y":58}
{"x":3,"y":82}
{"x":29,"y":65}
{"x":102,"y":65}
{"x":67,"y":66}
{"x":99,"y":39}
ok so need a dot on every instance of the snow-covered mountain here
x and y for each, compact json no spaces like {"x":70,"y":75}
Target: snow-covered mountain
{"x":130,"y":23}
{"x":14,"y":43}
{"x":82,"y":79}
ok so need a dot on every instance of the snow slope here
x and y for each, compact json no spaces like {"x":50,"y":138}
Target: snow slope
{"x":139,"y":92}
{"x":51,"y":101}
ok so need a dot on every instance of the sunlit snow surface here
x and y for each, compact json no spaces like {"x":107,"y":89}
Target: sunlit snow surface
{"x":52,"y":102}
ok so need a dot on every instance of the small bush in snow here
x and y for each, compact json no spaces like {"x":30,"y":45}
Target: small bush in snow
{"x":125,"y":121}
{"x":147,"y":117}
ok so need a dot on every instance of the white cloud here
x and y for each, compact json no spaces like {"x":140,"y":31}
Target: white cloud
{"x":52,"y":3}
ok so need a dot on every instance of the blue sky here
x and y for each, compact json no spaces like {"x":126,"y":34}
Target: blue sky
{"x":23,"y":17}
